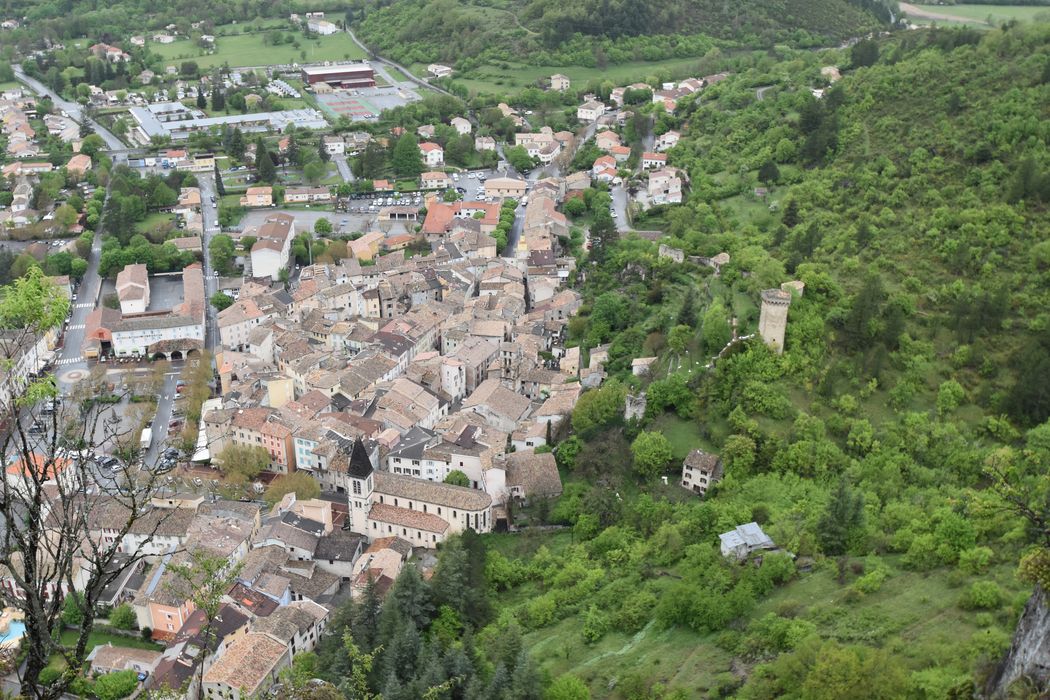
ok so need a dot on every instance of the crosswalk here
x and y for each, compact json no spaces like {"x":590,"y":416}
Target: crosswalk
{"x":77,"y":327}
{"x":84,"y":305}
{"x":69,"y":361}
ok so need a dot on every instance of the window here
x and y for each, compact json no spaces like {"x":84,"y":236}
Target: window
{"x":357,"y":487}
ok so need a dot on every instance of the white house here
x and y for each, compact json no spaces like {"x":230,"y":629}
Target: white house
{"x":743,"y":540}
{"x":590,"y":111}
{"x":433,"y":154}
{"x":334,"y":145}
{"x":667,"y":141}
{"x":461,"y":125}
{"x":133,"y":289}
{"x":269,"y":254}
{"x":559,"y":82}
{"x":439,"y":71}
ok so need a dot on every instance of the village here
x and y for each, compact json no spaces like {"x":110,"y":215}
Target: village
{"x":417,"y":374}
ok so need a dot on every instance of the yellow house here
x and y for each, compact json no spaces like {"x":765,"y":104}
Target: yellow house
{"x":258,"y":197}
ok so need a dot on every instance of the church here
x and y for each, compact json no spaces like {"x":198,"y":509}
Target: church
{"x":422,"y":512}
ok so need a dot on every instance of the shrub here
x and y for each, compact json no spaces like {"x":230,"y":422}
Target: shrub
{"x":123,"y":617}
{"x":49,"y":675}
{"x":976,"y":560}
{"x":983,"y":595}
{"x":871,"y":581}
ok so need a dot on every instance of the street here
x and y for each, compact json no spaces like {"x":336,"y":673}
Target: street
{"x":210,"y":212}
{"x":75,"y":111}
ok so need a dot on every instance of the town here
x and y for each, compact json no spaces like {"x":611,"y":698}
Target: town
{"x":368,"y":327}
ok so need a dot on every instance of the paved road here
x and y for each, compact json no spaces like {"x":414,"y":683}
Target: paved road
{"x":163,"y":416}
{"x":71,"y":357}
{"x":210,"y":212}
{"x":619,"y":205}
{"x":344,"y":168}
{"x":75,"y":111}
{"x":408,"y":74}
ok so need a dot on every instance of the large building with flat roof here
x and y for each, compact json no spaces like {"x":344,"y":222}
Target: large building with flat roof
{"x":177,"y":121}
{"x":346,"y":75}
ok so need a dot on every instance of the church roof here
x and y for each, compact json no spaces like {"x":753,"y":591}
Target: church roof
{"x":360,"y":464}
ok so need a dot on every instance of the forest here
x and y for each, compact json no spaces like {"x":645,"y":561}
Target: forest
{"x":546,"y":33}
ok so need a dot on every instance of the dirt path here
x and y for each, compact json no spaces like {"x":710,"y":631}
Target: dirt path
{"x":919,"y":13}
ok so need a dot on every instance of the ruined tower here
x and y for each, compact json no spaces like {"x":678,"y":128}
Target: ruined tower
{"x":772,"y":322}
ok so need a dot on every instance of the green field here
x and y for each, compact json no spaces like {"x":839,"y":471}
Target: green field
{"x":493,"y":79}
{"x":998,"y":13}
{"x":249,"y":50}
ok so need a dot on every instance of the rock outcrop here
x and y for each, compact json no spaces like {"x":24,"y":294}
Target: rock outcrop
{"x":1029,"y":654}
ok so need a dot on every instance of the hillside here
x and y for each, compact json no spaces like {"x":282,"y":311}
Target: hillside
{"x":911,"y":201}
{"x":594,"y":32}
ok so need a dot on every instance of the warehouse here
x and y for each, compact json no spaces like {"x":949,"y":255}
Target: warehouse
{"x":346,"y":75}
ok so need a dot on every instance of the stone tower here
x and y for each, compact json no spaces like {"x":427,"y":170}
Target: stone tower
{"x":360,"y":496}
{"x":772,"y":322}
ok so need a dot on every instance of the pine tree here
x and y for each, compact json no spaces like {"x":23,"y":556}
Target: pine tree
{"x":292,"y":154}
{"x":322,"y":152}
{"x":236,"y":147}
{"x":219,"y":186}
{"x":407,"y":158}
{"x":687,"y":314}
{"x":201,"y":101}
{"x":218,"y":99}
{"x":844,"y":515}
{"x":264,"y":167}
{"x":365,"y":619}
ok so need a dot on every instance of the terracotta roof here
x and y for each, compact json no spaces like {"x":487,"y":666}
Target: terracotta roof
{"x":247,"y":663}
{"x":535,"y":474}
{"x":423,"y":491}
{"x":403,"y":517}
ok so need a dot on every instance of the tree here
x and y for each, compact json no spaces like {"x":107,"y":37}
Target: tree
{"x":603,"y":235}
{"x":769,"y":173}
{"x":678,"y":339}
{"x":407,"y":158}
{"x":457,"y":478}
{"x":222,"y":251}
{"x":243,"y":463}
{"x":123,"y":617}
{"x":322,"y":152}
{"x":204,"y":578}
{"x":864,"y":53}
{"x":567,"y":687}
{"x":314,"y":171}
{"x":322,"y":226}
{"x":221,"y":300}
{"x":301,"y":484}
{"x":202,"y":101}
{"x":265,"y":170}
{"x":598,"y":407}
{"x":116,"y":685}
{"x":716,"y":330}
{"x":651,"y":452}
{"x":220,"y":186}
{"x":44,"y":539}
{"x":519,"y":159}
{"x":843,"y":517}
{"x":66,"y":216}
{"x":218,"y":99}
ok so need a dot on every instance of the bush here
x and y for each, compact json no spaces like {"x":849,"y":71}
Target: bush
{"x":983,"y":595}
{"x":114,"y":686}
{"x":49,"y":675}
{"x":123,"y":617}
{"x":872,"y":581}
{"x":976,"y":560}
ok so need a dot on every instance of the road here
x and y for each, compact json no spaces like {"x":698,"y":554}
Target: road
{"x":344,"y":168}
{"x":72,"y":355}
{"x":75,"y":111}
{"x":407,"y":73}
{"x":163,"y":416}
{"x":619,"y":205}
{"x":210,"y":212}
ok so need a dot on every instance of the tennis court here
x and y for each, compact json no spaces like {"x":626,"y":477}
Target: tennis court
{"x":364,"y":104}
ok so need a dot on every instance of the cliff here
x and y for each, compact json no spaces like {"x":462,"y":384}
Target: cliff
{"x":1029,"y":654}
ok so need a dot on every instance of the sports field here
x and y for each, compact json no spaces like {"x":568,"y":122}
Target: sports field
{"x":250,"y":50}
